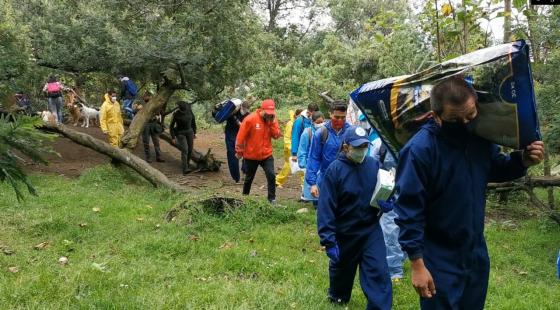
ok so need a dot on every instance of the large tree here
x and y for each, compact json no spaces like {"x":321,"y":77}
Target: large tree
{"x":199,"y":45}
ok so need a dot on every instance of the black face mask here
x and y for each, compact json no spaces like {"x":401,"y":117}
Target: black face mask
{"x":183,"y":108}
{"x":455,"y":129}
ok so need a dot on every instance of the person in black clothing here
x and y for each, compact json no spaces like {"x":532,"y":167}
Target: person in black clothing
{"x":152,"y":130}
{"x":183,"y":132}
{"x":231,"y":130}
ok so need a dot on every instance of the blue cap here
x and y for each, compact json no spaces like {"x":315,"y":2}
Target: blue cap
{"x":355,"y":136}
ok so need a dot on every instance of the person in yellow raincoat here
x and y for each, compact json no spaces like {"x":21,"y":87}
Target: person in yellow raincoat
{"x":110,"y":118}
{"x":283,"y":175}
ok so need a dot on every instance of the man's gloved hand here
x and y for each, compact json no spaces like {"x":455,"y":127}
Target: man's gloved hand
{"x":385,"y":206}
{"x":333,"y":253}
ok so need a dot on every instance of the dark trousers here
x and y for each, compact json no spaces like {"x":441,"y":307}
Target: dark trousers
{"x":462,"y":288}
{"x":268,"y":167}
{"x":185,"y":143}
{"x":233,"y":162}
{"x":147,"y":134}
{"x":368,"y":252}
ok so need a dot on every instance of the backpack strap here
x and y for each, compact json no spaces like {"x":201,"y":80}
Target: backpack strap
{"x":324,"y":134}
{"x":310,"y":134}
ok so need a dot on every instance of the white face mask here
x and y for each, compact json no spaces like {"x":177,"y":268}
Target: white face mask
{"x":357,"y":155}
{"x":113,"y":99}
{"x":317,"y":126}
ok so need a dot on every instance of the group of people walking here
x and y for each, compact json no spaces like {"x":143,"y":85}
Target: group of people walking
{"x":435,"y":215}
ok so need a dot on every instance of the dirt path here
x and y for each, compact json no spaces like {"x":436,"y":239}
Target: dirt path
{"x":74,"y":159}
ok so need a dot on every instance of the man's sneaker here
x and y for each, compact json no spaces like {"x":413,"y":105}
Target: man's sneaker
{"x":160,"y":160}
{"x":148,"y":160}
{"x":276,"y":204}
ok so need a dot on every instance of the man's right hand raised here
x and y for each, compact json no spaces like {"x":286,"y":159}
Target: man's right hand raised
{"x":422,"y":279}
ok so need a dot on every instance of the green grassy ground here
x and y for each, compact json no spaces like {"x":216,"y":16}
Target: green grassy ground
{"x":255,"y":257}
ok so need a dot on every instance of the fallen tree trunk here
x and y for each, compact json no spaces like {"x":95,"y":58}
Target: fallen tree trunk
{"x":204,"y":162}
{"x":540,"y":181}
{"x":154,"y":176}
{"x":527,"y":185}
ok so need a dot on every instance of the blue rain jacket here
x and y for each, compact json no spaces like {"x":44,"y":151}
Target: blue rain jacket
{"x":346,"y":190}
{"x":322,"y":155}
{"x":441,"y":195}
{"x":304,"y":145}
{"x":300,"y":124}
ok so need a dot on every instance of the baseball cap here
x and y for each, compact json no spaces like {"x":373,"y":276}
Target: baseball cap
{"x":355,"y":136}
{"x":268,"y":106}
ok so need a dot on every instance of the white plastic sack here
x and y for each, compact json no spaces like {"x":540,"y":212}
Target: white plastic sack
{"x":294,"y":167}
{"x":384,"y":186}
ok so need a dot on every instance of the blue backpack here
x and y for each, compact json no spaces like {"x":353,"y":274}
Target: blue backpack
{"x":131,"y":88}
{"x":222,"y":111}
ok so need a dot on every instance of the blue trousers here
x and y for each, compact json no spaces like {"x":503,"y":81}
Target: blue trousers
{"x":127,"y":107}
{"x":395,"y":255}
{"x":233,"y":162}
{"x":463,"y":286}
{"x":368,"y":252}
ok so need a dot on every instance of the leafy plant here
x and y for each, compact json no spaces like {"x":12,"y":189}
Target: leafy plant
{"x":19,"y":136}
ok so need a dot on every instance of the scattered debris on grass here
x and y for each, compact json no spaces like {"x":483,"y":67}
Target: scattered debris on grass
{"x":13,"y":269}
{"x":6,"y":250}
{"x":225,"y":246}
{"x":41,"y":245}
{"x":102,"y":267}
{"x":63,"y":260}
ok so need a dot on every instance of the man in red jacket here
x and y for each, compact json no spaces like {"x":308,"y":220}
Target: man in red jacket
{"x":254,"y":144}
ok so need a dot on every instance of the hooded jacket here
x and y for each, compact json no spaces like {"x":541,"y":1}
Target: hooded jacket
{"x":322,"y":155}
{"x":441,"y":193}
{"x":304,"y":145}
{"x":344,"y":210}
{"x":125,"y":93}
{"x":288,"y":131}
{"x":299,"y":125}
{"x":254,"y":140}
{"x":182,"y":123}
{"x":110,"y":118}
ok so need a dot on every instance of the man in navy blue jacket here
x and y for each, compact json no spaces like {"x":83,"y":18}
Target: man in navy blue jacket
{"x":440,"y":188}
{"x":349,"y":227}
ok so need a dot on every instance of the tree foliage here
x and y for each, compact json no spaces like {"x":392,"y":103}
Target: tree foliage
{"x":18,"y":136}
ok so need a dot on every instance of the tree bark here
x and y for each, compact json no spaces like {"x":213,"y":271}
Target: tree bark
{"x":550,"y":190}
{"x":437,"y":32}
{"x":540,"y":181}
{"x":507,"y":21}
{"x":154,"y":176}
{"x":527,"y":185}
{"x":130,"y":137}
{"x":204,"y":162}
